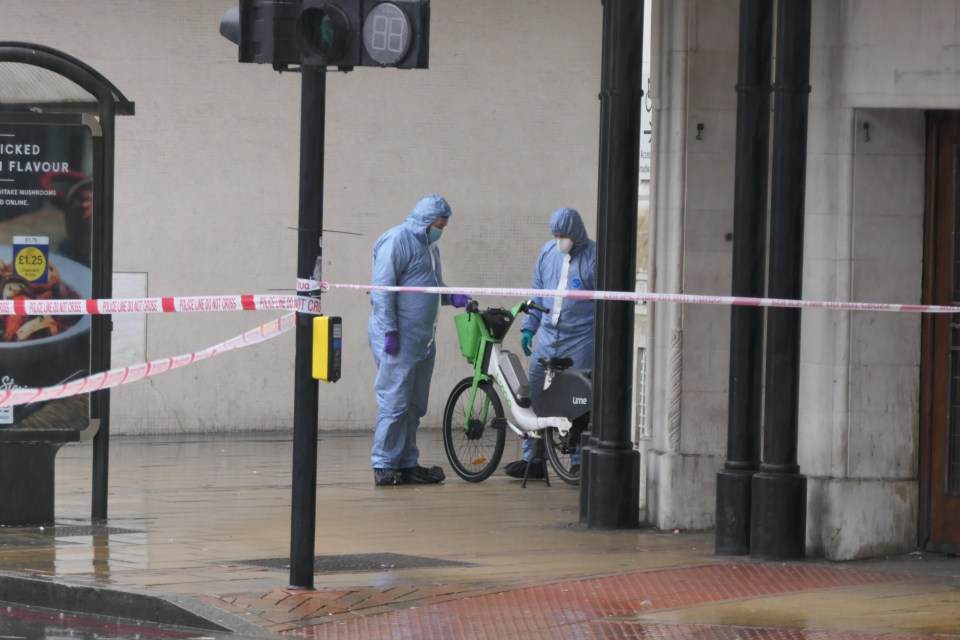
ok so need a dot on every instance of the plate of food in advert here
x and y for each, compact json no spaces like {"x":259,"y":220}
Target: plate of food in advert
{"x":42,"y":350}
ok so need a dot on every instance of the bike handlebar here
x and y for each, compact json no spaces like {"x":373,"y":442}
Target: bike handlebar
{"x":474,"y":307}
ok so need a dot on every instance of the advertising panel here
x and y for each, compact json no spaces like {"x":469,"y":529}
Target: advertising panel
{"x":46,"y":217}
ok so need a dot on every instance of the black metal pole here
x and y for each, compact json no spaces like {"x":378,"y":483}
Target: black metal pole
{"x":103,"y":325}
{"x":306,"y":389}
{"x":779,"y":507}
{"x":749,"y":243}
{"x":613,"y":470}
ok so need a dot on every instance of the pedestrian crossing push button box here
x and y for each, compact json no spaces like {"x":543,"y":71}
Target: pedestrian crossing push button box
{"x":327,"y":338}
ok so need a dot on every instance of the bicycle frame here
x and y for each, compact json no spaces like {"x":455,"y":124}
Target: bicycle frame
{"x":528,"y":423}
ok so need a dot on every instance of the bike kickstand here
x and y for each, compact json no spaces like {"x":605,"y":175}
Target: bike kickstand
{"x":537,"y":454}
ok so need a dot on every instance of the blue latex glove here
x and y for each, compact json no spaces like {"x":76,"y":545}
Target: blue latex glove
{"x":459,"y":300}
{"x":526,"y":342}
{"x":391,"y":343}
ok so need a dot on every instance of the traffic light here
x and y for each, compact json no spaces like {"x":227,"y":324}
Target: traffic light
{"x":263,"y":31}
{"x":341,"y":33}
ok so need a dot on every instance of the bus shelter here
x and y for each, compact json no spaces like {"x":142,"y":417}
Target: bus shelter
{"x":57,"y":135}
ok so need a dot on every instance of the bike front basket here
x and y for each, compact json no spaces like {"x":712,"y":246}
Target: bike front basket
{"x":468,"y":331}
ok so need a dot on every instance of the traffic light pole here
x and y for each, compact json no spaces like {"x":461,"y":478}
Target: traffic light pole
{"x":316,"y":35}
{"x":305,"y":395}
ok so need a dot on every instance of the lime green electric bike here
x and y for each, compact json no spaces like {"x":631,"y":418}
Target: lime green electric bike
{"x":474,"y":422}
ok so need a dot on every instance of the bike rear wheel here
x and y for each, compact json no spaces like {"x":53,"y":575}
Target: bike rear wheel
{"x":561,"y":453}
{"x":474,"y":445}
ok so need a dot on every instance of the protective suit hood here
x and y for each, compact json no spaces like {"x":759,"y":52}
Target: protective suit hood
{"x":567,"y":222}
{"x":572,"y":334}
{"x":425,"y":213}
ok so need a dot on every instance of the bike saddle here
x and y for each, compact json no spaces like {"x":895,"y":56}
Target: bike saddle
{"x":557,"y":363}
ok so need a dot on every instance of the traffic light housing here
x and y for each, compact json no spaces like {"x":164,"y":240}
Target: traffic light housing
{"x":341,"y":33}
{"x":263,"y":31}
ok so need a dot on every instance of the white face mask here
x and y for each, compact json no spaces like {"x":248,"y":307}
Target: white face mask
{"x":564,"y":245}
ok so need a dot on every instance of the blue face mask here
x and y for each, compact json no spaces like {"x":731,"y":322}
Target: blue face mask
{"x":433,"y":234}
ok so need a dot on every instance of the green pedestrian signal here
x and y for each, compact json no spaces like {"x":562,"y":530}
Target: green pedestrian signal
{"x":324,"y":33}
{"x":331,"y":33}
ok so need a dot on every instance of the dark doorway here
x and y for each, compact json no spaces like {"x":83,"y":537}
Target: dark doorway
{"x":940,"y":366}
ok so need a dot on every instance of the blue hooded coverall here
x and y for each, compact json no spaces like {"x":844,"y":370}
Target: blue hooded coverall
{"x":402,"y":257}
{"x":571,"y":335}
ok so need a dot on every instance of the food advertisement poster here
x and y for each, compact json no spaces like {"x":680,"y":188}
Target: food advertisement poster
{"x":46,"y":218}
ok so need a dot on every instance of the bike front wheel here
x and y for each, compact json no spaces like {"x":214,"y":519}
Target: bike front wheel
{"x":474,"y":444}
{"x":561,"y":455}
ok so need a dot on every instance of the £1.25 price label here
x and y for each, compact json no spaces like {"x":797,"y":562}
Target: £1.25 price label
{"x":30,"y":258}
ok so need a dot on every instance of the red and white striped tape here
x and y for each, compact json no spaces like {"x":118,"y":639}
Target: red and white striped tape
{"x":307,"y":304}
{"x":124,"y":375}
{"x":24,"y":307}
{"x":632,"y":296}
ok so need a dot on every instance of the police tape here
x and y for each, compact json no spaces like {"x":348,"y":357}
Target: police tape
{"x":26,"y":307}
{"x":311,"y":305}
{"x":125,"y":375}
{"x":636,"y":296}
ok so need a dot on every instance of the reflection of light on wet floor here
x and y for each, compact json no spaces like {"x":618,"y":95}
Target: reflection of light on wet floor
{"x":101,"y":554}
{"x":62,"y":549}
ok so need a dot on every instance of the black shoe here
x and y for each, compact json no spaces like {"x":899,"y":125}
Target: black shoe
{"x":517,"y":468}
{"x":575,"y":469}
{"x":386,"y":477}
{"x":423,"y":475}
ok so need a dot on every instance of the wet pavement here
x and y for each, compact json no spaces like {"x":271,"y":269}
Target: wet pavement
{"x":28,"y":623}
{"x":205,"y":521}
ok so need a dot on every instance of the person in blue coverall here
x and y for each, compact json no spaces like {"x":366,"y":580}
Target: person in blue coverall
{"x":401,"y":335}
{"x":569,"y":261}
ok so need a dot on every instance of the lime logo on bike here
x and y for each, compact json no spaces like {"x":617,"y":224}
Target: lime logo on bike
{"x":506,"y":394}
{"x":577,"y":283}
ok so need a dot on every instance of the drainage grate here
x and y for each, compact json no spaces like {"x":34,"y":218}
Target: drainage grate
{"x":361,"y":562}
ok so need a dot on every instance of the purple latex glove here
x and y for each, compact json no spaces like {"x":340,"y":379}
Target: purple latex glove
{"x":460,"y":300}
{"x":391,"y":343}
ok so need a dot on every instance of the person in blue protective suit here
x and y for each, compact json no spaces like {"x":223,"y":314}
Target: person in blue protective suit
{"x":401,"y":335}
{"x":569,"y":261}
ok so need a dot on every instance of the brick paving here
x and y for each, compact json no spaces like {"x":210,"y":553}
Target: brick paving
{"x":596,"y":607}
{"x":539,"y":611}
